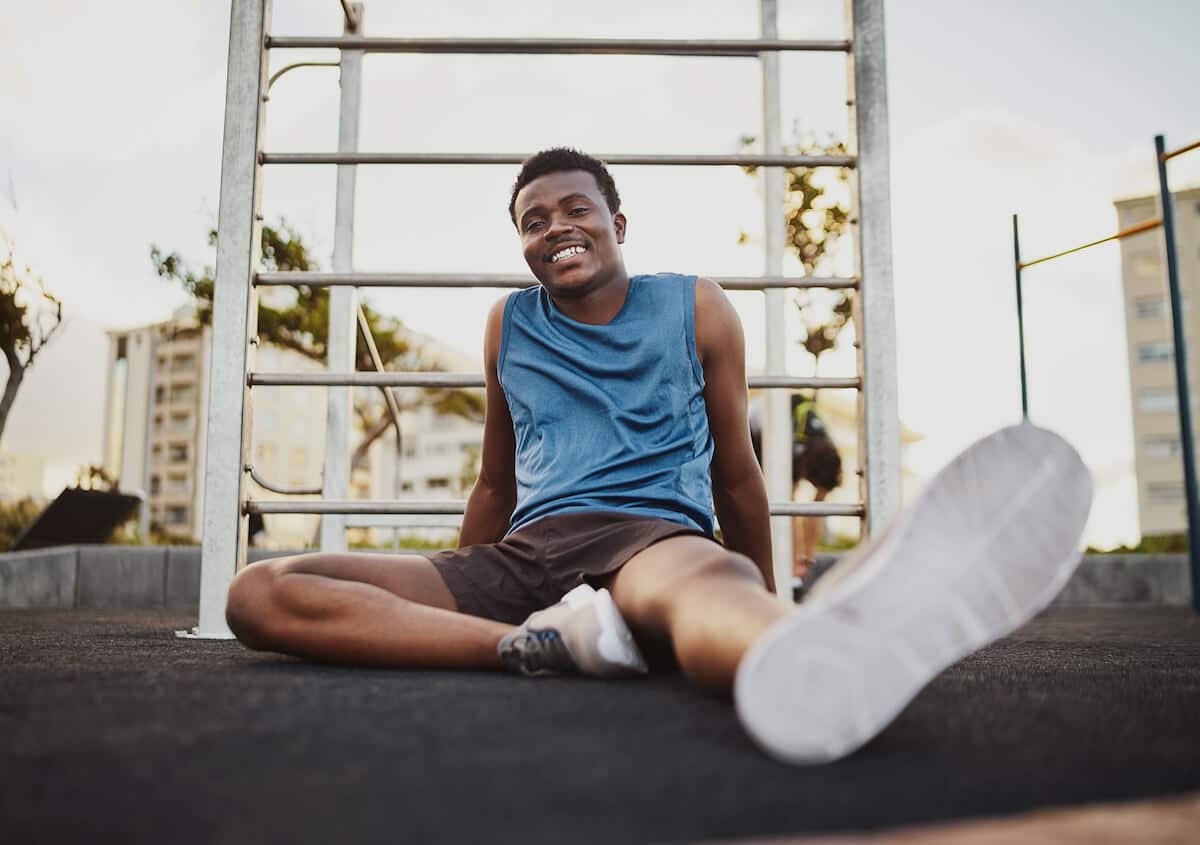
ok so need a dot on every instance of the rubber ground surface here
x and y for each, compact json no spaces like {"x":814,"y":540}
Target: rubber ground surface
{"x":111,"y":729}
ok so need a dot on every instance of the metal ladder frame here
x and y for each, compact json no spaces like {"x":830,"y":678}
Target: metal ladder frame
{"x":227,"y":469}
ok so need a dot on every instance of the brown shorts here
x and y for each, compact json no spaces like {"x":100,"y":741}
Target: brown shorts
{"x":539,"y":563}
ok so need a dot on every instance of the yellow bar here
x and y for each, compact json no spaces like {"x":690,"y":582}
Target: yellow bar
{"x":1170,"y":154}
{"x":1137,"y":229}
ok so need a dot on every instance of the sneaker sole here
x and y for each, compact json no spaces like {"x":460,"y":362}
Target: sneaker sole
{"x":990,"y":542}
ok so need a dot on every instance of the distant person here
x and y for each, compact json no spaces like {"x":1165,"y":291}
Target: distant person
{"x":815,"y":459}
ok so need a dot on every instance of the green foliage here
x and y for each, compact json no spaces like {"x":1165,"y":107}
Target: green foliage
{"x":15,"y":517}
{"x":407,"y":542}
{"x":302,"y":324}
{"x":1150,"y":544}
{"x":29,"y":317}
{"x":817,"y":209}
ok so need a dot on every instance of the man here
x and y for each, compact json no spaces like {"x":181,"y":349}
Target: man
{"x":815,"y":459}
{"x":616,"y":420}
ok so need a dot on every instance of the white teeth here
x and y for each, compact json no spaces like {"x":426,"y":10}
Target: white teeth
{"x":566,"y":253}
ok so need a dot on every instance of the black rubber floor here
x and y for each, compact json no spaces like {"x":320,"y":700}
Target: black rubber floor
{"x":113,"y":730}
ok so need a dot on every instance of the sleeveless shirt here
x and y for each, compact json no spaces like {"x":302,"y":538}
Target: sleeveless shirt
{"x":609,"y":417}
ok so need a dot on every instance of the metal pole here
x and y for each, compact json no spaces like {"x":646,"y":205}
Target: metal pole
{"x":877,"y":331}
{"x":234,"y":317}
{"x":777,"y":424}
{"x":1020,"y":320}
{"x":1182,"y":385}
{"x":343,"y":301}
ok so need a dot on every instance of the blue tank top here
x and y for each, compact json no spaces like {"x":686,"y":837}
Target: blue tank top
{"x":609,"y":417}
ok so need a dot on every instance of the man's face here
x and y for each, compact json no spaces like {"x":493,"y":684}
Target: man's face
{"x":569,"y":237}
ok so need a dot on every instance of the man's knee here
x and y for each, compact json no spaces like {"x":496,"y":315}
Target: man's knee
{"x":249,"y":604}
{"x":698,"y":571}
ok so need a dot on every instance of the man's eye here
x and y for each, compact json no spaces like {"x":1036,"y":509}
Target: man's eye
{"x":530,"y":227}
{"x":579,"y":209}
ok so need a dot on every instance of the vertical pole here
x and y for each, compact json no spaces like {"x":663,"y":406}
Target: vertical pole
{"x":343,"y":301}
{"x":777,"y":424}
{"x":1020,"y":321}
{"x":877,"y":331}
{"x":1182,"y":385}
{"x":234,"y":316}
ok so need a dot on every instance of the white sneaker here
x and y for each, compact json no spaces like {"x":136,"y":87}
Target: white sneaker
{"x":583,"y":633}
{"x":989,"y":543}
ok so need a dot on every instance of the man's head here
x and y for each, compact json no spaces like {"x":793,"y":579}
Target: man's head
{"x":566,"y":208}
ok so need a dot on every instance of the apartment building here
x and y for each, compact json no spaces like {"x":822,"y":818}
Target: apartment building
{"x":1162,"y":507}
{"x":155,"y":424}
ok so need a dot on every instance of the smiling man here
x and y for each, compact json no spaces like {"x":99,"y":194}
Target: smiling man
{"x":615,"y":435}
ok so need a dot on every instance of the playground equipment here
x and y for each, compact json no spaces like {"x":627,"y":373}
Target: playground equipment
{"x":1165,"y":221}
{"x":228,"y":466}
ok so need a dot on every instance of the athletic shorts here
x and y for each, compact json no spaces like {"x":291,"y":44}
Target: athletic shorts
{"x":536,"y":565}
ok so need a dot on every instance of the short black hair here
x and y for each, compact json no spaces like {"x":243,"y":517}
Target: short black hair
{"x":557,"y":159}
{"x":819,"y":463}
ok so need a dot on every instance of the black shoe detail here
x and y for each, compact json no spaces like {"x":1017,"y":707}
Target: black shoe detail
{"x":536,"y":652}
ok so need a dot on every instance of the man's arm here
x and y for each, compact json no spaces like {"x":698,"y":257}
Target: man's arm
{"x":738,"y":490}
{"x":492,"y":499}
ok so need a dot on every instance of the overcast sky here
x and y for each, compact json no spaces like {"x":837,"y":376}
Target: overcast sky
{"x":112,"y":130}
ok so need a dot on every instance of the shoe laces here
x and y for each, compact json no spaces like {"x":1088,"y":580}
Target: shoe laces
{"x":536,"y":652}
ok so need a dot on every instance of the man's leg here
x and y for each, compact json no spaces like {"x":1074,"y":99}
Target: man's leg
{"x":708,"y":602}
{"x":382,"y":610}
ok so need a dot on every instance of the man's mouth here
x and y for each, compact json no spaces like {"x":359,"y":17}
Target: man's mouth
{"x":567,"y":252}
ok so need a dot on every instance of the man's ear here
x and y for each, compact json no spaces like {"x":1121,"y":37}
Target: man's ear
{"x":619,"y":223}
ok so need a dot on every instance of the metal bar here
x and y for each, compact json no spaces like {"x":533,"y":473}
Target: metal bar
{"x":353,"y":14}
{"x":1167,"y":156}
{"x":1020,"y":321}
{"x":275,"y":488}
{"x":469,"y":380}
{"x":393,"y":406}
{"x":877,"y":333}
{"x":295,"y":65}
{"x":745,"y":48}
{"x":429,"y":507}
{"x":223,"y":549}
{"x":1182,"y":383}
{"x":343,"y":303}
{"x":777,"y":421}
{"x":615,"y":159}
{"x":1137,"y":229}
{"x":498,"y":280}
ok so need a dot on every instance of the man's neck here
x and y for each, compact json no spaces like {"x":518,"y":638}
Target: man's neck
{"x":599,"y":305}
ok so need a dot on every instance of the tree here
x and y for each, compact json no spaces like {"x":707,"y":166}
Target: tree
{"x":302,"y":325}
{"x":29,"y":318}
{"x":818,"y":215}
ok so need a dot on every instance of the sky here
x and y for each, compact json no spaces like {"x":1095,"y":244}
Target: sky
{"x":112,"y":134}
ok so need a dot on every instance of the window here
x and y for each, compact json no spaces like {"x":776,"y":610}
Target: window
{"x":1163,"y":447}
{"x":177,"y":516}
{"x":1155,"y":352}
{"x":183,"y":363}
{"x":1158,"y":399}
{"x":177,"y":452}
{"x":1165,"y":491}
{"x":155,"y":484}
{"x":1150,"y":307}
{"x":438,"y":483}
{"x":407,"y":487}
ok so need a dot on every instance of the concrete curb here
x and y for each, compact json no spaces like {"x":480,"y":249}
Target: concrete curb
{"x":169,"y":577}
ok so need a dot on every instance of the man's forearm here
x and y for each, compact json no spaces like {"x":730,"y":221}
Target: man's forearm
{"x":746,"y":523}
{"x":487,"y":515}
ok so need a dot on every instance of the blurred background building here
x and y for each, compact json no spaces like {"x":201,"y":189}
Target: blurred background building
{"x":1162,"y":506}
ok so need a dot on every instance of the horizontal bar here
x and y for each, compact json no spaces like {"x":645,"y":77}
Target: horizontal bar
{"x":417,"y":506}
{"x":745,"y":48}
{"x":732,"y":159}
{"x":1144,"y":226}
{"x":1170,"y":154}
{"x":464,"y":380}
{"x":275,"y":488}
{"x":485,"y":280}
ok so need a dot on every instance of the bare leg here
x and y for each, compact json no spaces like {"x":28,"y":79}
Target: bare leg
{"x":381,"y":610}
{"x":711,"y":603}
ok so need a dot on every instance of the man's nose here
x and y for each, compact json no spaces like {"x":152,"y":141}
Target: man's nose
{"x":557,"y":228}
